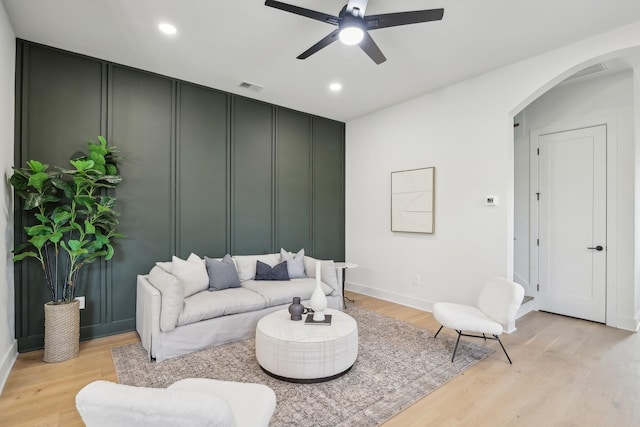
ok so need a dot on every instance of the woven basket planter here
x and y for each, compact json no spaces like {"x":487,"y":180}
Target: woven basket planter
{"x":61,"y":331}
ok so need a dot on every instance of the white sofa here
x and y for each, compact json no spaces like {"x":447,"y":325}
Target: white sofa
{"x":171,"y":325}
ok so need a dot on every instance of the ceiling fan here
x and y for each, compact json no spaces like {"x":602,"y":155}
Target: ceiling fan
{"x":353,"y":25}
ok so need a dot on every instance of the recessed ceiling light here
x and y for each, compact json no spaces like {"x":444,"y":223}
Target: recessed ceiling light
{"x":167,"y":28}
{"x":335,"y":87}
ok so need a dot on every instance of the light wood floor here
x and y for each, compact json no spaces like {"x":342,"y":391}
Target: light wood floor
{"x":566,"y":372}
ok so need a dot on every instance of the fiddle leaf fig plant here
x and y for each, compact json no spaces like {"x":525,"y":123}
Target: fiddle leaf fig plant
{"x":74,"y":220}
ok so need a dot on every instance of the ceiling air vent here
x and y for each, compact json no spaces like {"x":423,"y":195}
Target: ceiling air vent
{"x":595,"y":68}
{"x":251,"y":86}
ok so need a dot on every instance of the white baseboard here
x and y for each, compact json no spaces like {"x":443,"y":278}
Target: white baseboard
{"x":6,"y":365}
{"x":391,"y":296}
{"x":526,"y":308}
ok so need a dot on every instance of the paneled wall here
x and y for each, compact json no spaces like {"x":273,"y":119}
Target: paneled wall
{"x":204,"y":171}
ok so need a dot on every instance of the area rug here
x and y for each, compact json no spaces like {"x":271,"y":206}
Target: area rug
{"x":398,"y":364}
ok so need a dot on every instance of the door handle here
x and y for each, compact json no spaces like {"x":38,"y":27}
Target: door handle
{"x":597,"y":248}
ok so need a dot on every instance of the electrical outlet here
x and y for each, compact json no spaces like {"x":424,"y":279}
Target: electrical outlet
{"x":81,"y":299}
{"x":416,"y":279}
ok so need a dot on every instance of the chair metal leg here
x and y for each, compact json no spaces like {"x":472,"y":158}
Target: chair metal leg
{"x":438,"y":331}
{"x":456,"y":348}
{"x":503,"y":349}
{"x":460,"y":334}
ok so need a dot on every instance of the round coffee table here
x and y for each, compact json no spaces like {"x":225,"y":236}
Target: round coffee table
{"x":294,"y":351}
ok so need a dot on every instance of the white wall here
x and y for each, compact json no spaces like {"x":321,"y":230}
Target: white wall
{"x":466,"y":132}
{"x":521,"y":202}
{"x":598,"y":100}
{"x":8,"y":349}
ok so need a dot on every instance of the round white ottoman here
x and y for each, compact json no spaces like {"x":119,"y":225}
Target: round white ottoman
{"x":292,"y":351}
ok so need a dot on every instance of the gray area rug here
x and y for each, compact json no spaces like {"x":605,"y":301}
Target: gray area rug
{"x":398,"y":363}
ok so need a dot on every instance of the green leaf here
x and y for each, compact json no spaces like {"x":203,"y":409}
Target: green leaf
{"x":82,"y":165}
{"x":61,"y":216}
{"x":38,"y":230}
{"x":100,"y":168}
{"x":56,"y":237}
{"x":97,"y":157}
{"x":37,"y":180}
{"x":37,"y":167}
{"x":24,"y":255}
{"x":75,"y":244}
{"x":111,"y":169}
{"x":87,"y":201}
{"x":102,"y":140}
{"x":89,"y":228}
{"x":79,"y":252}
{"x":110,"y":252}
{"x":20,"y":247}
{"x":41,"y":218}
{"x":19,"y":180}
{"x":33,"y":200}
{"x":101,"y":239}
{"x":39,"y":241}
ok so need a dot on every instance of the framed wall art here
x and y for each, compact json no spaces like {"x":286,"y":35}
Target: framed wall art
{"x":412,"y":200}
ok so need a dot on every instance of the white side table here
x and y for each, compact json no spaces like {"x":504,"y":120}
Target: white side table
{"x":344,"y":266}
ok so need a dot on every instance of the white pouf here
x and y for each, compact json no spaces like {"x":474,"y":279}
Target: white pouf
{"x":292,"y":351}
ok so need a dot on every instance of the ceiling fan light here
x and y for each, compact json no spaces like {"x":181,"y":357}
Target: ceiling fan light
{"x":351,"y":35}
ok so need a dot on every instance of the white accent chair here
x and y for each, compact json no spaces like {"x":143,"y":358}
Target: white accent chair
{"x":193,"y":402}
{"x":498,"y":304}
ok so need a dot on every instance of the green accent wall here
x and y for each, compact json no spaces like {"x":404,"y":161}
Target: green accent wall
{"x":204,"y":171}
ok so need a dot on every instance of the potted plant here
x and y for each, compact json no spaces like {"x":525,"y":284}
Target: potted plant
{"x":72,"y":223}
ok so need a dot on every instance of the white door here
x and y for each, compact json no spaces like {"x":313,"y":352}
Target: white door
{"x":572,"y":222}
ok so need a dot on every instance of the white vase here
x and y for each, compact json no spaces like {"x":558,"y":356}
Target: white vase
{"x":318,"y":300}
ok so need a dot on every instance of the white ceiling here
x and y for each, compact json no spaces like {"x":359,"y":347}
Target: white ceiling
{"x":223,"y":43}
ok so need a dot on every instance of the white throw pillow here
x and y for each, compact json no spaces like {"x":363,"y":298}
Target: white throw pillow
{"x":192,"y":272}
{"x":166,"y":266}
{"x":295,"y":263}
{"x":172,"y":297}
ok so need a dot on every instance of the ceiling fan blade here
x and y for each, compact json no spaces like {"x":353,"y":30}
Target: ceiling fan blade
{"x":371,"y":48}
{"x":333,"y":36}
{"x":374,"y":22}
{"x":318,"y":16}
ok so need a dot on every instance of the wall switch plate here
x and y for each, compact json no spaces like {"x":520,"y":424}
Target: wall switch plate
{"x":416,"y":279}
{"x":81,"y":299}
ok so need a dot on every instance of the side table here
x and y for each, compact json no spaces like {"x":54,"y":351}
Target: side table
{"x":344,"y":266}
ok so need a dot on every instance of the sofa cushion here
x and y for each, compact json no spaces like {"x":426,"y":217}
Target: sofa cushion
{"x":295,"y":263}
{"x":266,"y":272}
{"x":191,"y":272}
{"x":171,"y":297}
{"x":282,"y":292}
{"x":207,"y":305}
{"x":247,"y":264}
{"x":222,"y":273}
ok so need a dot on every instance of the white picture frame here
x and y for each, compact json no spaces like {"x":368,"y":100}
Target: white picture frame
{"x":412,"y":200}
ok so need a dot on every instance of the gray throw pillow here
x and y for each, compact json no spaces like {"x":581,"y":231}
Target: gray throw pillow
{"x":266,"y":272}
{"x":222,"y":274}
{"x":295,"y":263}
